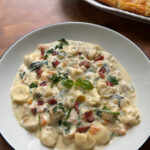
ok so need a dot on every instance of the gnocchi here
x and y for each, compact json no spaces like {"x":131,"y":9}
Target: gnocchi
{"x":75,"y":92}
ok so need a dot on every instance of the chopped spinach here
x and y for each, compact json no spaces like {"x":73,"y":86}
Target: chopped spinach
{"x":33,"y":85}
{"x":21,"y":74}
{"x":67,"y":125}
{"x":59,"y":106}
{"x":61,"y":44}
{"x":45,"y":56}
{"x":63,"y":41}
{"x":98,"y":113}
{"x":58,"y":77}
{"x":55,"y":79}
{"x":118,"y":97}
{"x":68,"y":114}
{"x":50,"y":51}
{"x":107,"y":110}
{"x":112,"y":79}
{"x":36,"y":65}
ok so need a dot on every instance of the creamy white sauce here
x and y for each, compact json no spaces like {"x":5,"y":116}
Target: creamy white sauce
{"x":34,"y":106}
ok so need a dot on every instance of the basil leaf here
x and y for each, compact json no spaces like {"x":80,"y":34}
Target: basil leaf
{"x":33,"y":85}
{"x":112,"y":79}
{"x":35,"y":65}
{"x":68,"y":83}
{"x":84,"y":84}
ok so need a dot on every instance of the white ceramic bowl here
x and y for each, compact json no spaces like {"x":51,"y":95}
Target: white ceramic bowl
{"x":130,"y":56}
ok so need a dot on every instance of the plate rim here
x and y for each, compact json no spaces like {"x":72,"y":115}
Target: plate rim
{"x":67,"y":23}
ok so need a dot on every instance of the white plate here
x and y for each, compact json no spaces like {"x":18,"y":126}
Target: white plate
{"x":119,"y":12}
{"x":132,"y":58}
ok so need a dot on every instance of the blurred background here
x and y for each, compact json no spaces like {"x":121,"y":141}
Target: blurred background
{"x":18,"y":17}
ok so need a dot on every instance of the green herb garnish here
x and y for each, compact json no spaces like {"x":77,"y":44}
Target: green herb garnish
{"x":112,"y":79}
{"x":50,"y":51}
{"x":68,"y":83}
{"x":61,"y":44}
{"x":107,"y":110}
{"x":59,"y":106}
{"x":63,"y":41}
{"x":45,"y":56}
{"x":68,"y":114}
{"x":36,"y":65}
{"x":55,"y":79}
{"x":98,"y":113}
{"x":21,"y":74}
{"x":84,"y":84}
{"x":67,"y":125}
{"x":33,"y":85}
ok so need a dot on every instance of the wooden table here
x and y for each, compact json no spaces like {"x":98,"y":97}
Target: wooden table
{"x":19,"y":17}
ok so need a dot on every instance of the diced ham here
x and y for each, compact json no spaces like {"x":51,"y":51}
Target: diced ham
{"x":80,"y":53}
{"x":109,"y":83}
{"x":85,"y":64}
{"x":52,"y":101}
{"x":55,"y":63}
{"x":40,"y":102}
{"x":42,"y":51}
{"x":103,"y":69}
{"x":101,"y":75}
{"x":88,"y":116}
{"x":76,"y":106}
{"x":43,"y":83}
{"x":39,"y":71}
{"x":101,"y":57}
{"x":34,"y":111}
{"x":54,"y":53}
{"x":83,"y":129}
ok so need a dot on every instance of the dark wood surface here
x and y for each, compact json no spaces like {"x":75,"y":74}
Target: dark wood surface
{"x":18,"y":17}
